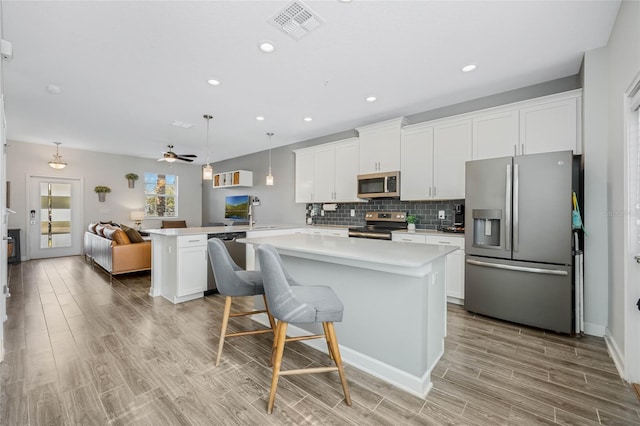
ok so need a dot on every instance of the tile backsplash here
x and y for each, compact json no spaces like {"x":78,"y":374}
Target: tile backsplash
{"x":426,"y":211}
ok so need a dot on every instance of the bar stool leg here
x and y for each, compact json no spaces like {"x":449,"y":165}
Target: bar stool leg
{"x":338,"y":361}
{"x":223,"y":330}
{"x":281,"y":335}
{"x":328,"y":339}
{"x":271,"y":320}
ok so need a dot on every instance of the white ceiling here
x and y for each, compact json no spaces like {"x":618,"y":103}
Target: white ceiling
{"x":127,"y":69}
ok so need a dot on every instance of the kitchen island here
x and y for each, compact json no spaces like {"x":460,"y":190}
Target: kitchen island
{"x":394,"y":320}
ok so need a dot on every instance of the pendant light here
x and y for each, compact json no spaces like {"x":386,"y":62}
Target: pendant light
{"x":207,"y":171}
{"x":57,"y":162}
{"x":269,"y":176}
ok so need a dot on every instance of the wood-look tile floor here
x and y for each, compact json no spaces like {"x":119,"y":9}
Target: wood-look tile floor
{"x":82,"y":351}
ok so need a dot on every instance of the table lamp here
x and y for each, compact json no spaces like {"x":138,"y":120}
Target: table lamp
{"x":137,"y":216}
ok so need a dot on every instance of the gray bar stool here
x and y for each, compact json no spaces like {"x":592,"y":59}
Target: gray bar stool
{"x":233,"y":281}
{"x":290,"y":302}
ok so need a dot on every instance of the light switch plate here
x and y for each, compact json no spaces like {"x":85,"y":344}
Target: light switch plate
{"x":440,"y":214}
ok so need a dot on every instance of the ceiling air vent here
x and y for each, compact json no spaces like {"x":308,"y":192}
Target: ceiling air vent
{"x":296,"y":20}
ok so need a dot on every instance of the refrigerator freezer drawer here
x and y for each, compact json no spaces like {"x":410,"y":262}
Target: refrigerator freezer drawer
{"x":527,"y":293}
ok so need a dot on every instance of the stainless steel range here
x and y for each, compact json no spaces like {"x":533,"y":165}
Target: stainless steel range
{"x":379,"y":225}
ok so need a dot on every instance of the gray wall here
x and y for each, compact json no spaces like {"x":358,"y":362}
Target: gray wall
{"x":98,"y":169}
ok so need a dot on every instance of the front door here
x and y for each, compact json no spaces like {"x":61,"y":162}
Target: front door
{"x":55,"y":219}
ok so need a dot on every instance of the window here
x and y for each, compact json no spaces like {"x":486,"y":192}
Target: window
{"x":161,"y":195}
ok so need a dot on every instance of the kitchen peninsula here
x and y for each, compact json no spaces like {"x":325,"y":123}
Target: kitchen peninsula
{"x":394,"y":297}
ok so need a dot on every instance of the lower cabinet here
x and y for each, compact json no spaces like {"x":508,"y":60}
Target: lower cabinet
{"x":337,"y":232}
{"x":455,"y":261}
{"x":192,"y":265}
{"x":183,"y":274}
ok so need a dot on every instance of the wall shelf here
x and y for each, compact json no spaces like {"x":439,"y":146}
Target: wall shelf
{"x":232,"y":179}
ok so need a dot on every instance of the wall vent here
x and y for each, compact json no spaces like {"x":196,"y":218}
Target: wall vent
{"x":296,"y":19}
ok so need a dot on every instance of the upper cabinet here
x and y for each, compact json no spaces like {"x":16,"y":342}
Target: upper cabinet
{"x":550,"y":123}
{"x":433,"y":160}
{"x":495,"y":135}
{"x":327,"y":173}
{"x":380,"y":146}
{"x":452,"y":146}
{"x":551,"y":126}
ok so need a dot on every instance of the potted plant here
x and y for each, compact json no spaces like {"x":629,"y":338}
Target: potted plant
{"x":131,"y":178}
{"x":102,"y":191}
{"x":412,"y":220}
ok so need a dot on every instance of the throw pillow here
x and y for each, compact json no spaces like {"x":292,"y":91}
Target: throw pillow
{"x":108,"y":231}
{"x":134,"y":236}
{"x":92,"y":227}
{"x":120,"y":237}
{"x":100,"y":229}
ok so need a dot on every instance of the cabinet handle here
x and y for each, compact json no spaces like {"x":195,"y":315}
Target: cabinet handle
{"x":444,"y":242}
{"x":429,"y":191}
{"x":522,"y":149}
{"x":434,"y":191}
{"x":194,"y":241}
{"x":515,"y":149}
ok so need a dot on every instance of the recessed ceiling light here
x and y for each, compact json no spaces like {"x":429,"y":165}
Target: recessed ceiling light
{"x":371,"y":99}
{"x":213,"y":82}
{"x":307,"y":119}
{"x":266,"y":46}
{"x":468,"y":68}
{"x":54,"y":89}
{"x":182,"y":124}
{"x":260,"y":118}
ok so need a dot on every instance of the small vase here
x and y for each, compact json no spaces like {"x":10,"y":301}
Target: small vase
{"x":411,"y":227}
{"x":132,"y":183}
{"x":102,"y":196}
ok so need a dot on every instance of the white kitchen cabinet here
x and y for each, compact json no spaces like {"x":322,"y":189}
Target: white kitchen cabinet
{"x":380,"y":146}
{"x":304,"y":175}
{"x":192,"y":265}
{"x":182,"y":267}
{"x":416,"y":166}
{"x":551,"y":126}
{"x":455,"y":266}
{"x":406,"y":237}
{"x":433,"y":160}
{"x":333,"y":232}
{"x":452,"y":147}
{"x":327,"y":173}
{"x":496,"y":135}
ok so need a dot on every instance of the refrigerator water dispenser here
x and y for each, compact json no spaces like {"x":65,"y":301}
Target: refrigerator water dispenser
{"x":486,"y":228}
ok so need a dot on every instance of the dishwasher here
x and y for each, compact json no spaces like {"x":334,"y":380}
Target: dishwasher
{"x":236,"y":250}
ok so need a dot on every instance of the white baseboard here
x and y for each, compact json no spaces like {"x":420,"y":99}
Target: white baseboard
{"x":615,"y":353}
{"x":418,"y":386}
{"x":596,"y":330}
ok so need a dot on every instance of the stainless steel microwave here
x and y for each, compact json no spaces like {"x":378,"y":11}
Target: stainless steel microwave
{"x":379,"y":185}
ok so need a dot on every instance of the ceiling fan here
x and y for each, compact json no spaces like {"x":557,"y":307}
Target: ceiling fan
{"x":171,"y":156}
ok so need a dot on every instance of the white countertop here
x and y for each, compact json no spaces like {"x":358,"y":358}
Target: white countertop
{"x":177,"y":232}
{"x":399,"y":257}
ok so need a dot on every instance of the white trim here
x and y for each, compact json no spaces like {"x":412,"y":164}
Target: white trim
{"x":418,"y":386}
{"x":594,"y":329}
{"x":615,"y":353}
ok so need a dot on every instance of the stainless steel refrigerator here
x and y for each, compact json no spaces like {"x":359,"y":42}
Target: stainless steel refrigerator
{"x":519,"y":242}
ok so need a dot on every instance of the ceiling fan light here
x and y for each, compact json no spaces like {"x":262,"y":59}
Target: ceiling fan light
{"x":170,"y":159}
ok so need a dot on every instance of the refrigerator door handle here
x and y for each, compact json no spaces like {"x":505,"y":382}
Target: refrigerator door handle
{"x":507,"y":210}
{"x":517,"y":268}
{"x":516,"y":193}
